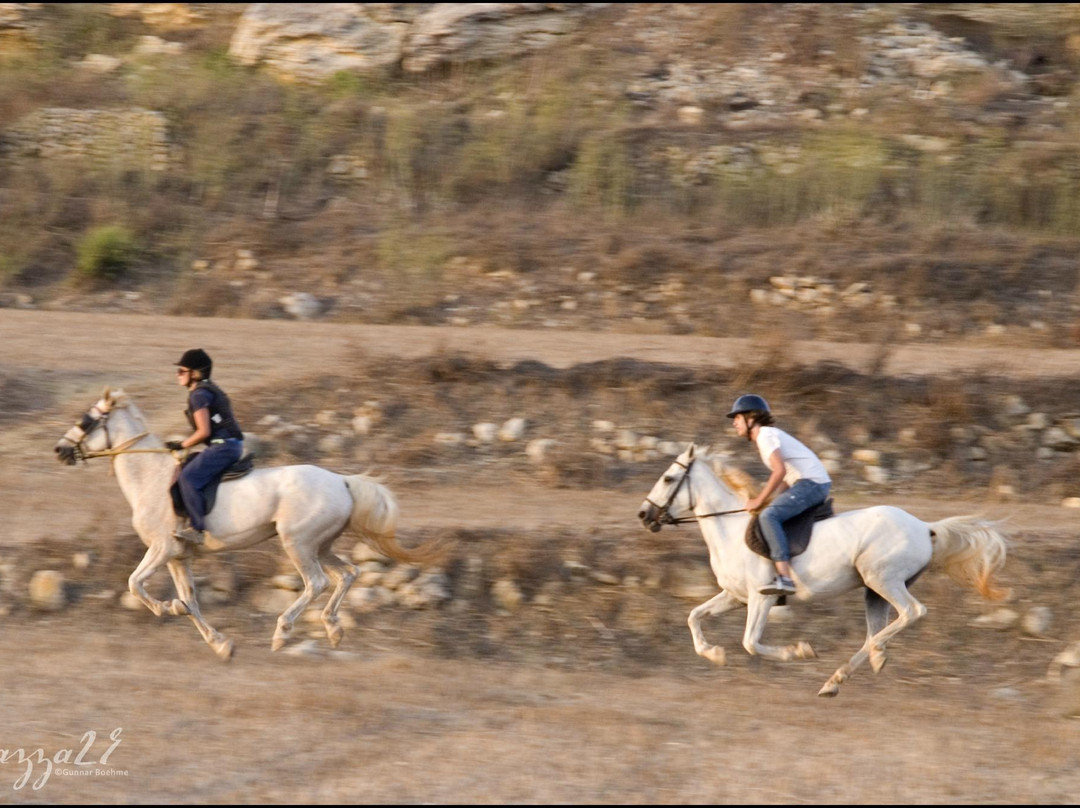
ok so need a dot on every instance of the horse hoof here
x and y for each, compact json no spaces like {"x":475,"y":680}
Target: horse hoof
{"x":830,"y":690}
{"x":877,"y":663}
{"x":225,"y":650}
{"x":804,"y":651}
{"x":715,"y":655}
{"x":335,"y":634}
{"x":277,"y":644}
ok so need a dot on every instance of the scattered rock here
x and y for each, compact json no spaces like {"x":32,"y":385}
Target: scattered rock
{"x":47,"y":591}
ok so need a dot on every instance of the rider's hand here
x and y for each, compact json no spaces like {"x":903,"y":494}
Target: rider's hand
{"x":754,"y":505}
{"x":174,"y":445}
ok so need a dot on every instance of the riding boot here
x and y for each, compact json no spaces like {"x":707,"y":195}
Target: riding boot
{"x":189,"y":534}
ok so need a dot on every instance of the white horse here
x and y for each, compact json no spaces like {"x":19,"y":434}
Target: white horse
{"x":307,"y":506}
{"x":880,"y":548}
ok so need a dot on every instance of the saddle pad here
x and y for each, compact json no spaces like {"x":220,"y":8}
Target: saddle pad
{"x":798,"y":529}
{"x":242,"y":467}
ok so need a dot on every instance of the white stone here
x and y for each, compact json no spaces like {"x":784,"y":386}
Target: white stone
{"x":100,"y":63}
{"x":368,"y":599}
{"x":690,"y":115}
{"x":130,"y":602}
{"x":512,"y":430}
{"x":485,"y":432}
{"x":876,"y":475}
{"x":288,"y":580}
{"x":47,"y":590}
{"x":331,"y":444}
{"x":398,"y":575}
{"x":507,"y":595}
{"x":538,"y":448}
{"x":999,"y":619}
{"x":1037,"y":621}
{"x":449,"y":438}
{"x":301,"y":305}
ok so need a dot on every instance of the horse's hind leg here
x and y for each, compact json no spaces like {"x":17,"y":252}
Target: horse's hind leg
{"x":877,"y":617}
{"x":303,"y":555}
{"x":757,"y":616}
{"x":908,"y":610}
{"x":343,"y":574}
{"x":717,"y":605}
{"x":180,"y":570}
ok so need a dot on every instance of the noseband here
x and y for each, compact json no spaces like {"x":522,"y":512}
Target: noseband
{"x":664,"y":516}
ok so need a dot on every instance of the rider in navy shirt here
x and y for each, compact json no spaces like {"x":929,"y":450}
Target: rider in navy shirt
{"x":211,"y":418}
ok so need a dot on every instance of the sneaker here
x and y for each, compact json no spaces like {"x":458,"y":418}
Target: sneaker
{"x":189,"y":534}
{"x":779,"y":586}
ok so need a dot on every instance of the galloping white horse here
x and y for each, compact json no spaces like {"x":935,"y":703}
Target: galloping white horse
{"x":307,"y":506}
{"x":881,"y":548}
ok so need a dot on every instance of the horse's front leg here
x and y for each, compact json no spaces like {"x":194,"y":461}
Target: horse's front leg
{"x":757,"y":616}
{"x":180,"y":570}
{"x":156,"y":557}
{"x":719,"y":604}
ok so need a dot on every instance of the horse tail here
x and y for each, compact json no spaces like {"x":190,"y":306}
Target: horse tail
{"x":971,"y":551}
{"x":374,"y":518}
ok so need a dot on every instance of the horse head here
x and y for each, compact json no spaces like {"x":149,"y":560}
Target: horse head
{"x":90,"y":433}
{"x":670,"y":497}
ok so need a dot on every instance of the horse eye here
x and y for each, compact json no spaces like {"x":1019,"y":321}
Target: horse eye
{"x":669,"y":479}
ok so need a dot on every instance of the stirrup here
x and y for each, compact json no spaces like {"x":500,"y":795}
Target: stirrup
{"x":189,"y":534}
{"x":779,"y":586}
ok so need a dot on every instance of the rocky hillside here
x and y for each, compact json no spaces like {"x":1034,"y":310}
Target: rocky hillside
{"x":857,"y":171}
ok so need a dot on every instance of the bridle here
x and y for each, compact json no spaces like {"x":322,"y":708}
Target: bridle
{"x":664,"y":516}
{"x":93,"y":419}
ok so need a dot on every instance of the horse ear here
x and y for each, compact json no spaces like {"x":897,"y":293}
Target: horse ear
{"x":690,"y":452}
{"x":106,"y":393}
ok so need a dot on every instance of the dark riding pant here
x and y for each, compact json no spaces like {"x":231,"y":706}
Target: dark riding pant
{"x":804,"y":494}
{"x":203,"y":469}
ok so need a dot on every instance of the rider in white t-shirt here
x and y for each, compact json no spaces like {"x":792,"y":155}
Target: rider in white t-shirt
{"x":797,"y":477}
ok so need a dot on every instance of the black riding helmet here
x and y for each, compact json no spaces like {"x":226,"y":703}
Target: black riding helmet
{"x":749,"y":403}
{"x":197,"y":359}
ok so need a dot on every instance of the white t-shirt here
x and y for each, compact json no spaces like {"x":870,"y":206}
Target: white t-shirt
{"x":799,"y":462}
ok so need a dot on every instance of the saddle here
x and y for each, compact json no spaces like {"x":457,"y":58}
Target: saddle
{"x":798,"y":529}
{"x":242,"y":467}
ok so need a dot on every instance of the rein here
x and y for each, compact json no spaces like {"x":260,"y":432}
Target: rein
{"x":123,"y":449}
{"x":664,"y":514}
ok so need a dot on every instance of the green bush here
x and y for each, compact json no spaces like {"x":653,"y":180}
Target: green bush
{"x":105,"y":252}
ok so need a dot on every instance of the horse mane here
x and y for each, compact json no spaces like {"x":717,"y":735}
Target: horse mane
{"x":120,"y":400}
{"x":735,"y":478}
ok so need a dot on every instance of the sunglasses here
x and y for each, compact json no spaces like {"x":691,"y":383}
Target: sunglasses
{"x":182,"y":371}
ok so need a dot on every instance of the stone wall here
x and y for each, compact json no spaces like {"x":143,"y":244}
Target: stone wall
{"x":130,"y":138}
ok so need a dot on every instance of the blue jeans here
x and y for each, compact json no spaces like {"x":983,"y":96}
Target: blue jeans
{"x":804,"y":494}
{"x":202,"y":470}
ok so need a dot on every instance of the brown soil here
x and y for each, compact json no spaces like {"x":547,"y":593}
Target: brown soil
{"x":596,"y":698}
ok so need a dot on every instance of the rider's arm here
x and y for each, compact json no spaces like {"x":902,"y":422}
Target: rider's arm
{"x":202,"y":428}
{"x":775,"y":484}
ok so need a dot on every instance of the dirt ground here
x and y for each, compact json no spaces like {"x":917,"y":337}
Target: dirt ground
{"x":489,"y":707}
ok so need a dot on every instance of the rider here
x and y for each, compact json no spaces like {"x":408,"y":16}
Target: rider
{"x":797,"y":476}
{"x":212,"y":420}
